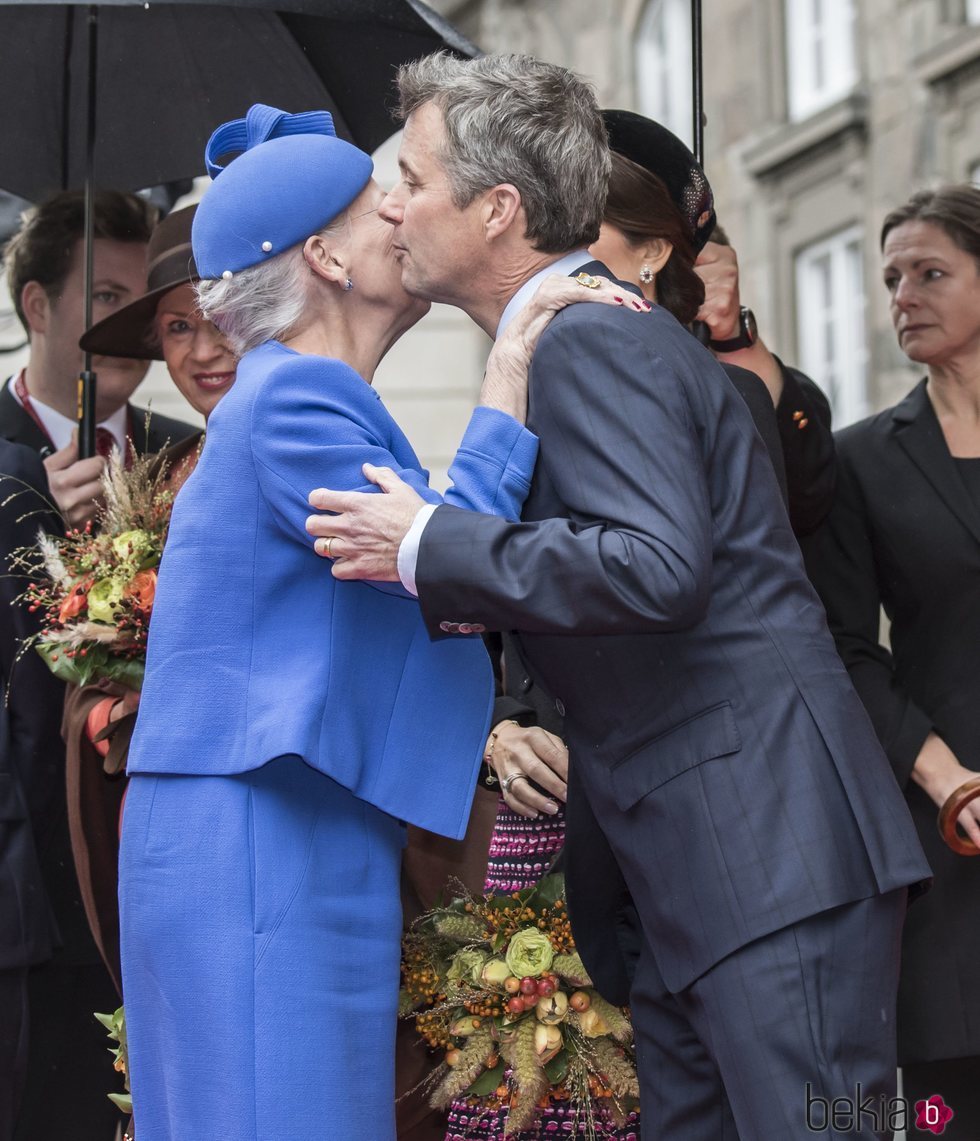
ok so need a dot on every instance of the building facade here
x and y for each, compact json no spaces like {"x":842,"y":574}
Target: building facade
{"x":820,"y":116}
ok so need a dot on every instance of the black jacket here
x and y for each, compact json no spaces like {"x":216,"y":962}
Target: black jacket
{"x":30,"y":744}
{"x":904,"y":534}
{"x":17,"y":426}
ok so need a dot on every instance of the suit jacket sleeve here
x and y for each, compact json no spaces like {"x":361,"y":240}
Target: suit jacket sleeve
{"x":841,"y":564}
{"x":620,"y":448}
{"x":808,"y":450}
{"x":758,"y":400}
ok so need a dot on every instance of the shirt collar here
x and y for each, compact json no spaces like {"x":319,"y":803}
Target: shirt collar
{"x":564,"y":265}
{"x":60,"y":427}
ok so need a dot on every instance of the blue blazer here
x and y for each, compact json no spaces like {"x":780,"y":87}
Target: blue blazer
{"x":256,"y":651}
{"x":661,"y":601}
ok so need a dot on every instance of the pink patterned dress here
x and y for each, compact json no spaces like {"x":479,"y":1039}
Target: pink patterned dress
{"x":521,"y":852}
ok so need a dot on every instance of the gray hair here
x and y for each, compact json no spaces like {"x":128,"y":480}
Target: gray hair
{"x":512,"y":118}
{"x":264,"y":302}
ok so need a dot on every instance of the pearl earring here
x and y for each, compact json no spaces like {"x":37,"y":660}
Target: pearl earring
{"x":646,"y":274}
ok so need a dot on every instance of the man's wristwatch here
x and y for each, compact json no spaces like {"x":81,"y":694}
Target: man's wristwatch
{"x":747,"y":335}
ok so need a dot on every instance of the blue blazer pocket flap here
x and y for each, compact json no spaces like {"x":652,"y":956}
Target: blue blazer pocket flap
{"x":711,"y":733}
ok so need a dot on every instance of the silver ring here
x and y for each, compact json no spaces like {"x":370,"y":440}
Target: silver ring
{"x":509,"y":780}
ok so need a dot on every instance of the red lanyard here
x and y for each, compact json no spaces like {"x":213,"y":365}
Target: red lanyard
{"x":20,"y":387}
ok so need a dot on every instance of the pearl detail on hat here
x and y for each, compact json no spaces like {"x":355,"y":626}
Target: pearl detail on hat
{"x":227,"y":275}
{"x":267,"y":247}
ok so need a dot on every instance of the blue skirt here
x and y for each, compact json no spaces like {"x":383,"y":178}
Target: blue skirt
{"x":260,"y":924}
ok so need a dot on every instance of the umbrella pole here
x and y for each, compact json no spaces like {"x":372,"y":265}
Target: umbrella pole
{"x":86,"y":379}
{"x":697,"y":69}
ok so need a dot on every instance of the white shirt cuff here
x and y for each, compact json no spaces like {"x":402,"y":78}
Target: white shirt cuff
{"x":408,"y":550}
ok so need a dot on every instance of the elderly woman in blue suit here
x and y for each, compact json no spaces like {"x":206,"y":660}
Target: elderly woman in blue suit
{"x":290,"y":723}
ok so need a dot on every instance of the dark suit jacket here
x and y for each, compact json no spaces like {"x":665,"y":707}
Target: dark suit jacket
{"x":48,"y":804}
{"x":807,"y":445}
{"x":29,"y":742}
{"x":17,"y":426}
{"x":661,"y":598}
{"x":905,"y":534}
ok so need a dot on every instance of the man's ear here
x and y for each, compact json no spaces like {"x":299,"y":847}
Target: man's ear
{"x":326,"y":260}
{"x":656,"y":253}
{"x":36,"y":305}
{"x":501,"y":208}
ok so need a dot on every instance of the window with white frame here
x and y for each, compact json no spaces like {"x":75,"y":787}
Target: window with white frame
{"x":663,"y":66}
{"x":973,"y":11}
{"x":830,"y":306}
{"x":821,"y":62}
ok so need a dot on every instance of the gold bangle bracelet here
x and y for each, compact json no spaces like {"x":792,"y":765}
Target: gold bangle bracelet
{"x":955,"y":803}
{"x":491,"y":778}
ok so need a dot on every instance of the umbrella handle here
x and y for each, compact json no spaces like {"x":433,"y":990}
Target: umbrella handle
{"x":87,"y":380}
{"x":697,"y":74}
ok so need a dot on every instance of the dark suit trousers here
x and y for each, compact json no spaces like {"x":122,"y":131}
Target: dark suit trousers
{"x":13,"y":1045}
{"x":729,"y":1058}
{"x":70,"y":1071}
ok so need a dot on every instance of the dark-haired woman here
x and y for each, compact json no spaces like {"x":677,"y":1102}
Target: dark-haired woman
{"x":904,"y":534}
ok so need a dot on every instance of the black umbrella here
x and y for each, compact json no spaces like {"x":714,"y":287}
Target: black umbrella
{"x":125,"y":94}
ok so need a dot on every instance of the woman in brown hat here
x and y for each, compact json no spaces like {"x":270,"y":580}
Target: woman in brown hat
{"x":164,"y":324}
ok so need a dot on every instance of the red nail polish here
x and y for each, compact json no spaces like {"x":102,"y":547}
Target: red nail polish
{"x":619,"y":299}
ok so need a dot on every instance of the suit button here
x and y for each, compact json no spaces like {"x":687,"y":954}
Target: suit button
{"x":560,"y":707}
{"x":465,"y":628}
{"x":453,"y":627}
{"x":478,"y":628}
{"x":525,"y":684}
{"x":444,"y":627}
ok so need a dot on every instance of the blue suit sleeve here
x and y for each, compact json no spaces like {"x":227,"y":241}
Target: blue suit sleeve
{"x":620,"y":449}
{"x":315,"y":423}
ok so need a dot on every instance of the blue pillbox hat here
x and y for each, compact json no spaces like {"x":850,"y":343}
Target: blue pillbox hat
{"x":292,"y":177}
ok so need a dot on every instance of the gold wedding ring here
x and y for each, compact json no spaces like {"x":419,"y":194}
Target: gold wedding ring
{"x":587,"y":281}
{"x":328,"y":541}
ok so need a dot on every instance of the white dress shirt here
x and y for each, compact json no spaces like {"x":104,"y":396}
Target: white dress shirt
{"x":60,"y":427}
{"x":408,"y":550}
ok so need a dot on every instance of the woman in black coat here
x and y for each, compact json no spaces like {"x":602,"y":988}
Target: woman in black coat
{"x":904,"y":534}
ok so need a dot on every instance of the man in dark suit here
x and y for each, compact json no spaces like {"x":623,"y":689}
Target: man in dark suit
{"x":45,"y":272}
{"x":28,"y":738}
{"x":718,"y":754}
{"x":45,"y":267}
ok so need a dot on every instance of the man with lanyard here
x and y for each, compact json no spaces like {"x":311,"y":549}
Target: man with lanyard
{"x":45,"y":266}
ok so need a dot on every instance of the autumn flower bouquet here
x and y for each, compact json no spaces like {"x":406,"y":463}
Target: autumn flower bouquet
{"x":94,"y":587}
{"x":115,"y":1025}
{"x":495,"y":982}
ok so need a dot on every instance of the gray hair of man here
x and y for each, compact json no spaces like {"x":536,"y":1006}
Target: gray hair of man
{"x":514,"y":119}
{"x":266,"y":301}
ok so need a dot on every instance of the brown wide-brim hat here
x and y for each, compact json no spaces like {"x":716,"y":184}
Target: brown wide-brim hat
{"x":170,"y":262}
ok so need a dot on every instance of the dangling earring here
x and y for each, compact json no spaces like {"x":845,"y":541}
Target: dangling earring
{"x":348,"y":285}
{"x":646,"y":274}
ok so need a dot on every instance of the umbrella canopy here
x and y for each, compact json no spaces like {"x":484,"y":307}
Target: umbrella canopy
{"x":126,"y":94}
{"x":169,"y":73}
